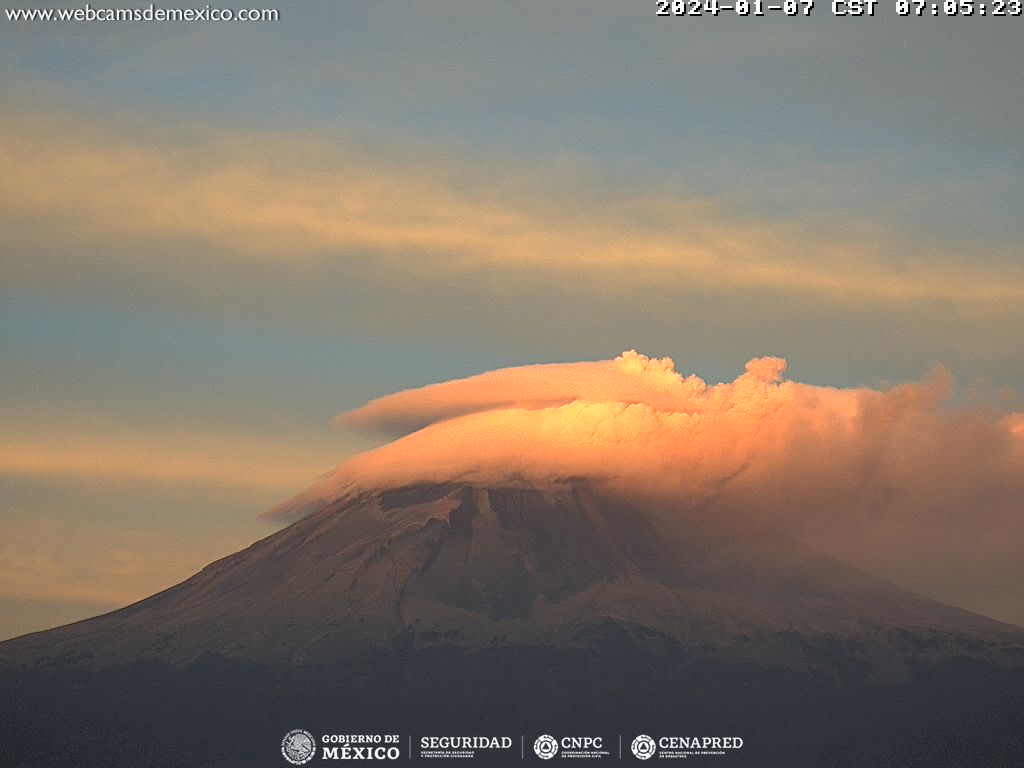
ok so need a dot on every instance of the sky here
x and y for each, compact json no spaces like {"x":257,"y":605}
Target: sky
{"x":218,"y":236}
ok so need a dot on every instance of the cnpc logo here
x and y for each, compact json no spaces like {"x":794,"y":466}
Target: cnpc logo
{"x":547,"y":746}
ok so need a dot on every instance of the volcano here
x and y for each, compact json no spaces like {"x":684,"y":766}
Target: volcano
{"x":511,"y":608}
{"x":477,"y":567}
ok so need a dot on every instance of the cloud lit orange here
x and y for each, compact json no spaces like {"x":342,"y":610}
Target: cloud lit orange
{"x":900,"y":480}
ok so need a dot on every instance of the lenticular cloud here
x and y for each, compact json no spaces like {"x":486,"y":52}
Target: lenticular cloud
{"x":637,"y":423}
{"x":632,"y":419}
{"x":900,"y":480}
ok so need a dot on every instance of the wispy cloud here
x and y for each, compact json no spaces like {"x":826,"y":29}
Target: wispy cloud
{"x":303,"y":201}
{"x":118,"y":456}
{"x":76,"y":561}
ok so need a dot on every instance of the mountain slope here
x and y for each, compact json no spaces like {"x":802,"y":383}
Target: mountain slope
{"x":476,"y":567}
{"x":454,"y":609}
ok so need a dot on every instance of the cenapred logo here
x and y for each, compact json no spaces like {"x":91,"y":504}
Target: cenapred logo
{"x":298,"y":746}
{"x":644,"y":747}
{"x":546,"y":747}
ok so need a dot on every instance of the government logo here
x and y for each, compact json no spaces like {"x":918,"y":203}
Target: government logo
{"x":298,"y":747}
